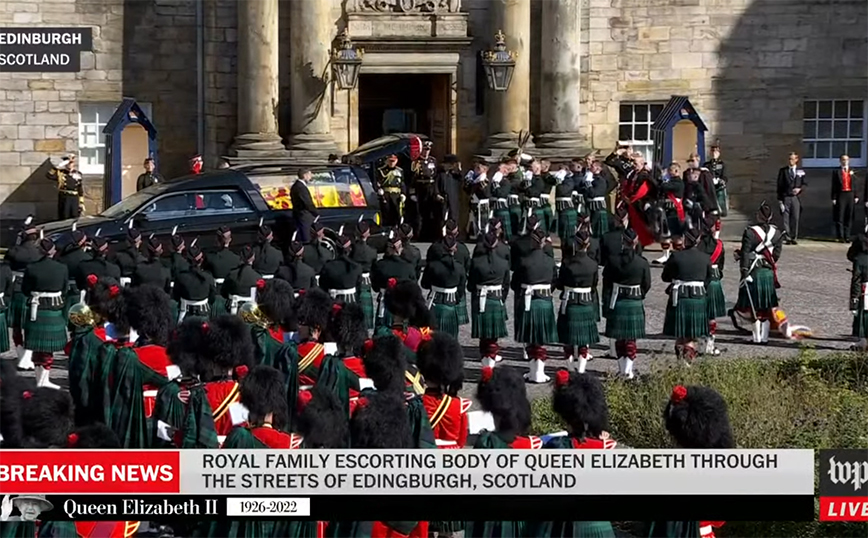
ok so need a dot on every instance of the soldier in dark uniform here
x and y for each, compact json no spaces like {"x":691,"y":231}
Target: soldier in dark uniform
{"x":449,"y":180}
{"x":194,"y":288}
{"x":152,"y":272}
{"x":149,"y":177}
{"x":594,"y":189}
{"x":548,"y":183}
{"x":424,"y":181}
{"x":25,"y":252}
{"x":565,"y":203}
{"x":699,"y":189}
{"x":495,"y":226}
{"x":859,"y":294}
{"x":688,"y":273}
{"x":523,"y":244}
{"x":72,"y":256}
{"x":304,"y":211}
{"x":610,"y":247}
{"x":513,"y":174}
{"x":299,"y":274}
{"x":671,"y":225}
{"x":630,"y":275}
{"x":240,"y":284}
{"x":176,"y":261}
{"x":488,"y":283}
{"x":577,"y":319}
{"x":98,"y":264}
{"x":268,"y":257}
{"x":222,"y":261}
{"x":340,"y":276}
{"x":45,"y":283}
{"x":501,"y":193}
{"x":533,"y":188}
{"x":478,"y":187}
{"x":410,"y":252}
{"x":316,"y":253}
{"x":70,"y":192}
{"x":6,"y":291}
{"x":718,"y":171}
{"x":391,"y":188}
{"x":390,"y":266}
{"x":438,"y":250}
{"x":365,"y":255}
{"x":445,"y":279}
{"x":129,"y":256}
{"x":536,"y":325}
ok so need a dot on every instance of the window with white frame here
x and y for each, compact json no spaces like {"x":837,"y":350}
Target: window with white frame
{"x":833,"y":127}
{"x":634,"y":126}
{"x":92,"y":119}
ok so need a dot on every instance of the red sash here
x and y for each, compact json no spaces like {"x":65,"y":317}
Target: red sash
{"x":222,"y":394}
{"x":155,"y":358}
{"x":679,"y":206}
{"x":718,"y":250}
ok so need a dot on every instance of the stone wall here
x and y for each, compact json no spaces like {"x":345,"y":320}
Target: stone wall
{"x":39,"y":111}
{"x":221,"y":78}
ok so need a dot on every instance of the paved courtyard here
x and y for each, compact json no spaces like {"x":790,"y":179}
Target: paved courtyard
{"x":815,"y":283}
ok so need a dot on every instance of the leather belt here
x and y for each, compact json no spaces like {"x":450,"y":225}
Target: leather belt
{"x":582,"y":294}
{"x":451,"y":294}
{"x":531,"y":289}
{"x":630,"y":291}
{"x":185,"y":304}
{"x":55,"y":298}
{"x":678,"y":284}
{"x":483,"y":292}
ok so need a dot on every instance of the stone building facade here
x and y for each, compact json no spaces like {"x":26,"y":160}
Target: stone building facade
{"x":767,"y":77}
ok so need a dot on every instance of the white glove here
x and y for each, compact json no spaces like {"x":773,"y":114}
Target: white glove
{"x":497,"y":177}
{"x":76,"y":175}
{"x":528,"y":175}
{"x":6,"y":508}
{"x":782,"y":206}
{"x":574,"y":194}
{"x":647,"y":206}
{"x":64,"y":163}
{"x":412,"y":197}
{"x":589,"y":177}
{"x":561,"y":175}
{"x":380,"y":192}
{"x":854,"y":313}
{"x":403,"y":198}
{"x":748,"y":279}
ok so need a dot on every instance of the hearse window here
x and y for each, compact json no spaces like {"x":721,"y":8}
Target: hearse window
{"x":198,"y":204}
{"x":336,"y":187}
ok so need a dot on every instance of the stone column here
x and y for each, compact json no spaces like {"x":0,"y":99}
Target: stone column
{"x":258,"y":60}
{"x":509,"y":111}
{"x":561,"y":72}
{"x":311,"y":26}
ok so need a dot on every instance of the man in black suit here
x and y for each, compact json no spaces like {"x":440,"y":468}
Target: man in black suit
{"x":844,"y":198}
{"x":303,"y":209}
{"x":791,"y":183}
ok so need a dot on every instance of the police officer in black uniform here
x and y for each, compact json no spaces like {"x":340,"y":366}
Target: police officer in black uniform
{"x":152,"y":272}
{"x":25,"y":252}
{"x":97,"y":265}
{"x":410,"y":252}
{"x":340,"y":276}
{"x":268,"y":257}
{"x":316,"y":253}
{"x":70,"y":192}
{"x":239,"y":285}
{"x":424,"y":181}
{"x":194,"y":288}
{"x":221,"y":262}
{"x":299,"y":274}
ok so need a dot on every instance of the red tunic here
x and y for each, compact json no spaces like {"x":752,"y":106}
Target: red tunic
{"x":222,"y":394}
{"x":414,"y":337}
{"x":310,"y":356}
{"x":155,"y":358}
{"x":531,"y":442}
{"x":356,"y":366}
{"x":275,"y":438}
{"x":448,"y":418}
{"x":106,"y":529}
{"x":706,"y":528}
{"x":381,"y":530}
{"x":595,"y":444}
{"x":276,"y":333}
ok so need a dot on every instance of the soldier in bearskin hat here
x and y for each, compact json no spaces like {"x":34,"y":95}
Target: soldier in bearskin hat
{"x":488,"y":283}
{"x":390,"y":267}
{"x":300,"y":275}
{"x":324,"y":423}
{"x":696,"y":417}
{"x":316,"y":252}
{"x":445,"y":280}
{"x":536,"y":325}
{"x":177,"y":261}
{"x":25,"y":252}
{"x":761,"y":246}
{"x":194,"y":288}
{"x":341,"y":275}
{"x":441,"y":363}
{"x":581,"y":403}
{"x":46,"y":418}
{"x":98,"y":264}
{"x":240,"y":284}
{"x":129,"y":256}
{"x":630,"y":275}
{"x":93,"y":436}
{"x":688,"y":273}
{"x":714,"y":298}
{"x":269,"y":319}
{"x":577,"y":319}
{"x":385,"y":364}
{"x":411,"y":318}
{"x":12,"y":387}
{"x":346,"y":328}
{"x":313,"y":310}
{"x":152,"y":271}
{"x":365,"y":256}
{"x":263,"y":393}
{"x":45,"y":283}
{"x":268,"y":258}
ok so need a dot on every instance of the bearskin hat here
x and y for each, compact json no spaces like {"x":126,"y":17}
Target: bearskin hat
{"x":12,"y":387}
{"x":263,"y":392}
{"x":347,"y":327}
{"x":386,"y":363}
{"x":46,"y":418}
{"x":275,"y":301}
{"x":105,"y":298}
{"x":228,"y":344}
{"x":187,"y":343}
{"x":581,"y":402}
{"x":324,"y":422}
{"x":93,"y":436}
{"x":314,"y":308}
{"x":406,"y":301}
{"x":441,"y":362}
{"x":380,"y":421}
{"x":503,"y":393}
{"x":697,"y":417}
{"x":150,"y":313}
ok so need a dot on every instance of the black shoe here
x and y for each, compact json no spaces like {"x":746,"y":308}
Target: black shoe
{"x":794,"y":242}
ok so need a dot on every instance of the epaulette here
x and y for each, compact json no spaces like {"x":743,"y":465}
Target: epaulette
{"x":465,"y":405}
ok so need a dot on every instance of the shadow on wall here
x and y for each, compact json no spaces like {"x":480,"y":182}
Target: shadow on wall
{"x":38,"y":187}
{"x":778,"y":54}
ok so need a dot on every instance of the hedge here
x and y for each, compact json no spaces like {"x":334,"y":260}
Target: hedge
{"x":805,"y":402}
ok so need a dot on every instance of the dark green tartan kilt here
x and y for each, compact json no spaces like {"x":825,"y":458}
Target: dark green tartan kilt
{"x":386,"y":320}
{"x":627,"y":320}
{"x":688,"y":320}
{"x":491,"y":323}
{"x":47,"y":333}
{"x":174,"y":308}
{"x":599,"y":223}
{"x":366,"y":300}
{"x":505,"y":221}
{"x":17,"y":310}
{"x":578,"y":326}
{"x":572,"y":529}
{"x":596,"y":295}
{"x":762,"y":291}
{"x":538,"y":325}
{"x":860,"y":324}
{"x":722,"y":196}
{"x":606,"y":299}
{"x":4,"y":333}
{"x":445,"y":318}
{"x":219,"y":307}
{"x":540,"y":214}
{"x":567,"y":221}
{"x":516,"y":217}
{"x":446,"y":527}
{"x":461,"y":309}
{"x":715,"y":301}
{"x":548,"y":215}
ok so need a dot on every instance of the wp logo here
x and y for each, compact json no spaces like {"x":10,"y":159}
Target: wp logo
{"x":844,"y":485}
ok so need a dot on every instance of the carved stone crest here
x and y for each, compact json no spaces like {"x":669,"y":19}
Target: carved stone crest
{"x":403,"y":6}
